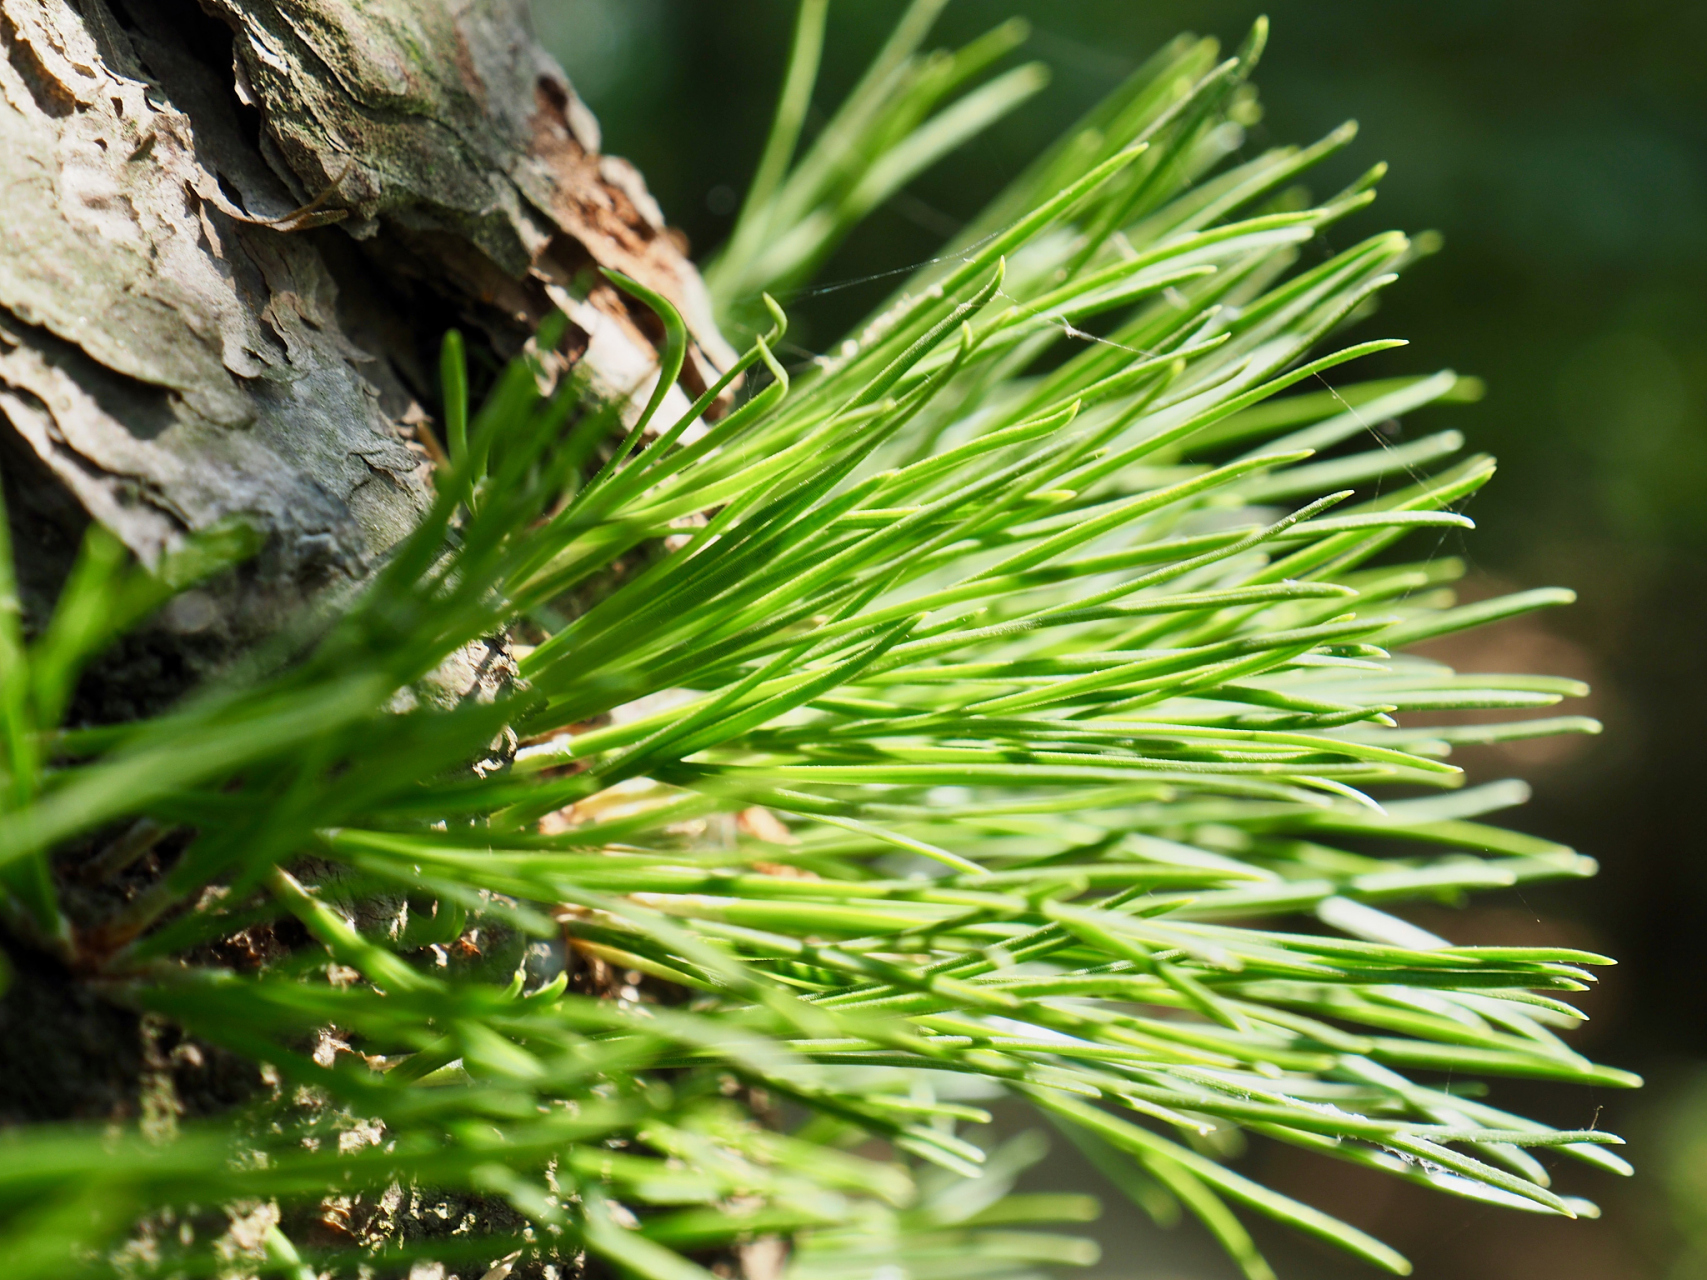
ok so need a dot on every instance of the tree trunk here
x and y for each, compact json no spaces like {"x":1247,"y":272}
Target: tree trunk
{"x":234,"y":233}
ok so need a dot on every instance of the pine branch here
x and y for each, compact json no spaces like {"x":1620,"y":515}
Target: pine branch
{"x":979,"y":735}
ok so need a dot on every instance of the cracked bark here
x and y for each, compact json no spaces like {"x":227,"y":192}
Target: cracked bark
{"x":234,"y":232}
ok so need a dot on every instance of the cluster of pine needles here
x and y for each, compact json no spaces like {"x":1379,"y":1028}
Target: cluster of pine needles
{"x":1000,"y":707}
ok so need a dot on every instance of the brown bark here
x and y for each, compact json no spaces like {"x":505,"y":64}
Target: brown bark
{"x":233,"y":232}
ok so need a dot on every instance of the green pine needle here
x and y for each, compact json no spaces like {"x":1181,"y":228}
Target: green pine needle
{"x":990,"y":707}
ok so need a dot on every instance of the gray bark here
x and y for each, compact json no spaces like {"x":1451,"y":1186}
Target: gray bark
{"x":233,"y":232}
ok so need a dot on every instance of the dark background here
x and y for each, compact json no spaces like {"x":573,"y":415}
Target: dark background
{"x":1561,"y":147}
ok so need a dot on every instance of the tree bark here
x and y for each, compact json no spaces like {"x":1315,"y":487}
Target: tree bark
{"x":234,"y":232}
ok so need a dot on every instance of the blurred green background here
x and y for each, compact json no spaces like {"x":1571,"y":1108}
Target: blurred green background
{"x":1561,"y":148}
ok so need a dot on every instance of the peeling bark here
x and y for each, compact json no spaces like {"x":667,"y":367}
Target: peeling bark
{"x":233,"y":233}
